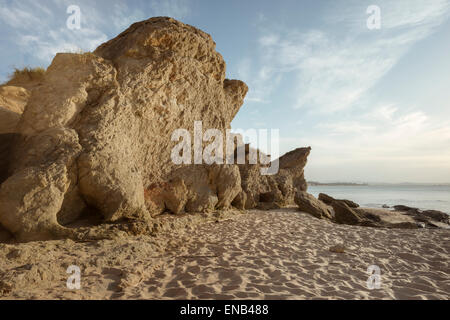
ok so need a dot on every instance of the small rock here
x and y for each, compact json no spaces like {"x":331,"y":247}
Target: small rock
{"x":340,"y":248}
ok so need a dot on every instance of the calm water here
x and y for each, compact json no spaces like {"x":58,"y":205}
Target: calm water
{"x":373,"y":196}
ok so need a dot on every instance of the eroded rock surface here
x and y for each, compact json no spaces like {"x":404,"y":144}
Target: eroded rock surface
{"x":119,"y":106}
{"x":277,"y":190}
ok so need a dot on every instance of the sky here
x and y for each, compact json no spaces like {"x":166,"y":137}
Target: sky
{"x":373,"y":103}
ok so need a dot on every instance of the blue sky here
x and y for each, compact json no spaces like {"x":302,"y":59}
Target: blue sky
{"x":373,"y":104}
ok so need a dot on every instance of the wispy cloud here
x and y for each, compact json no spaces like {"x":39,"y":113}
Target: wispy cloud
{"x":334,"y":71}
{"x":39,"y":29}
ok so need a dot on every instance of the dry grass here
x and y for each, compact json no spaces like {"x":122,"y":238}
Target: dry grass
{"x":26,"y":74}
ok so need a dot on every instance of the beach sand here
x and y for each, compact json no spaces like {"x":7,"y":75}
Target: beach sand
{"x":279,"y":254}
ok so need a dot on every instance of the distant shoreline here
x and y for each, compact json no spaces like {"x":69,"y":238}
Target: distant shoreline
{"x":349,"y":184}
{"x":353,"y":184}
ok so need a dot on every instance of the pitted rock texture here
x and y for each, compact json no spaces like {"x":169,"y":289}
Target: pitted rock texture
{"x":98,"y":130}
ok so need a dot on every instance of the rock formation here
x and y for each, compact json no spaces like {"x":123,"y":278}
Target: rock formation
{"x":269,"y":191}
{"x":96,"y":136}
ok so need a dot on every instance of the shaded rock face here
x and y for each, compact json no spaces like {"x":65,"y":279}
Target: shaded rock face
{"x":96,"y":134}
{"x":13,"y":99}
{"x":343,"y":214}
{"x":309,"y":204}
{"x":6,"y":145}
{"x":328,"y":200}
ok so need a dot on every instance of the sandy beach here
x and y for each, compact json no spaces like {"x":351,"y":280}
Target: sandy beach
{"x":280,"y":254}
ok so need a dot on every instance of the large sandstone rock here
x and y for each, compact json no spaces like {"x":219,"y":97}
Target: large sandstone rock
{"x":119,"y":106}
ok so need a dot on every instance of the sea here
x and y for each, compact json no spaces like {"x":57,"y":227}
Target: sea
{"x":425,"y":197}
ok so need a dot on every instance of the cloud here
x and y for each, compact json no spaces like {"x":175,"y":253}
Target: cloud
{"x":414,"y":13}
{"x":38,"y":29}
{"x":19,"y":16}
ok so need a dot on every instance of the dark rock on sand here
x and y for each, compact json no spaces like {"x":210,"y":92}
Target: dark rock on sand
{"x":309,"y":204}
{"x":343,"y":214}
{"x":404,"y":208}
{"x":436,"y":215}
{"x":328,"y":200}
{"x":432,"y":218}
{"x":348,"y":212}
